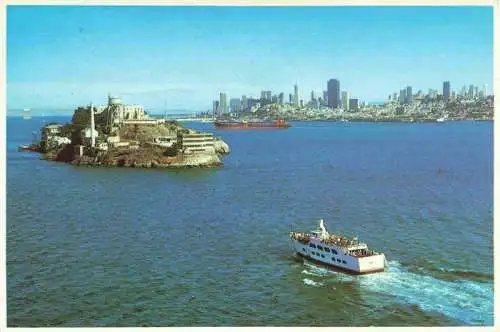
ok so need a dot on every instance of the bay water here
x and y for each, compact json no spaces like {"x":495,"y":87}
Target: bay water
{"x":210,"y":247}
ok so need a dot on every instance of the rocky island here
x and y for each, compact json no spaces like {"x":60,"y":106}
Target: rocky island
{"x":118,"y":135}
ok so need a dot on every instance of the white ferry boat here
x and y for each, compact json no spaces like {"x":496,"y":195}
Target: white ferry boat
{"x":337,"y":251}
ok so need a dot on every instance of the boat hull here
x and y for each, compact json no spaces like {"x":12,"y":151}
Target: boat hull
{"x":337,"y":259}
{"x":252,"y":125}
{"x":336,"y":267}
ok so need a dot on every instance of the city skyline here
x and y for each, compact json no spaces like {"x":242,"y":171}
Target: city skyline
{"x":73,"y":55}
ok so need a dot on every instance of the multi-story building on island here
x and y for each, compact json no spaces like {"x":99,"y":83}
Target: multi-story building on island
{"x":195,"y":143}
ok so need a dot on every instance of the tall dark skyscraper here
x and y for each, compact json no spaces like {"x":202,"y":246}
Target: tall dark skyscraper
{"x":409,"y":95}
{"x":446,"y":89}
{"x":333,"y":90}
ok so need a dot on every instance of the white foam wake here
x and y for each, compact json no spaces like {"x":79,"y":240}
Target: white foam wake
{"x":468,"y":301}
{"x":312,"y":282}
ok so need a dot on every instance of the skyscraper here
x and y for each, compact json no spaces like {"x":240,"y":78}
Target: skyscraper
{"x":409,"y":95}
{"x":296,"y":95}
{"x":215,"y":109}
{"x":345,"y":100}
{"x":223,"y":103}
{"x":235,"y":105}
{"x":244,"y":103}
{"x":485,"y":90}
{"x":281,"y":98}
{"x":325,"y":96}
{"x":471,"y":91}
{"x":446,"y":90}
{"x":333,"y":88}
{"x":290,"y":98}
{"x":354,"y":104}
{"x":313,"y":97}
{"x":402,"y":96}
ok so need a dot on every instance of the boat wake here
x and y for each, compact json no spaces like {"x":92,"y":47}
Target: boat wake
{"x":428,"y":267}
{"x":468,"y":301}
{"x":310,"y":282}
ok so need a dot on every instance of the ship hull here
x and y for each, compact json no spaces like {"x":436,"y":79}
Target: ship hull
{"x":336,"y":267}
{"x":337,"y":259}
{"x":252,"y":125}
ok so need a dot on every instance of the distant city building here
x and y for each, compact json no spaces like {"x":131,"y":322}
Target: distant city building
{"x":485,"y":90}
{"x":274,"y":99}
{"x":402,"y":96}
{"x":235,"y":105}
{"x":290,"y":98}
{"x":215,"y":110}
{"x":433,"y":93}
{"x":223,"y":103}
{"x":476,"y":91}
{"x":446,"y":89}
{"x":471,"y":91}
{"x":281,"y":98}
{"x":395,"y":97}
{"x":315,"y":103}
{"x":333,"y":88}
{"x":296,"y":95}
{"x":354,"y":104}
{"x":453,"y":95}
{"x":244,"y":103}
{"x":251,"y":102}
{"x":266,"y":95}
{"x":345,"y":100}
{"x":409,"y":95}
{"x":463,"y":91}
{"x":325,"y":97}
{"x":302,"y":103}
{"x":313,"y":97}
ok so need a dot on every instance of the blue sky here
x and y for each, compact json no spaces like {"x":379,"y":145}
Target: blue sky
{"x":59,"y":57}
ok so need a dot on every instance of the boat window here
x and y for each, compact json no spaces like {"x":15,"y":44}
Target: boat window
{"x":320,"y":247}
{"x":338,"y":260}
{"x":335,"y":252}
{"x":303,"y":249}
{"x":312,"y":245}
{"x":323,"y":256}
{"x":327,"y":249}
{"x":344,"y":262}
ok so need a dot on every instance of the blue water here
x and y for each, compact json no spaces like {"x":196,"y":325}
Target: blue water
{"x":139,"y":247}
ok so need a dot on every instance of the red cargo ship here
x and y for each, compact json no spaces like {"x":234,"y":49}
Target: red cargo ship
{"x":255,"y":124}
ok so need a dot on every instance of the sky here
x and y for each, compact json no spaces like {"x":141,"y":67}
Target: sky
{"x":181,"y":58}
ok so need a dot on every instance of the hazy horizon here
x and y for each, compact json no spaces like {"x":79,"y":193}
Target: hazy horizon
{"x":61,"y":57}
